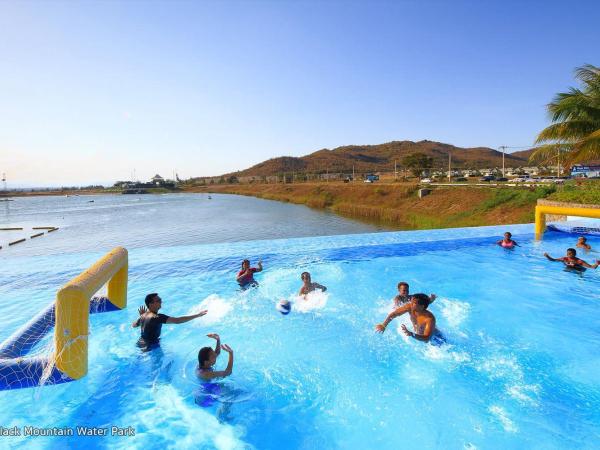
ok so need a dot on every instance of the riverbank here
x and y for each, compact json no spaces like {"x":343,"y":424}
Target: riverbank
{"x":398,"y":206}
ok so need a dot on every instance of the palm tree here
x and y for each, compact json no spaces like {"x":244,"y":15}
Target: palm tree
{"x":575,"y":115}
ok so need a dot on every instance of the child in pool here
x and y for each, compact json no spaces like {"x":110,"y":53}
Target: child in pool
{"x":207,"y":357}
{"x":582,"y":243}
{"x":309,"y":286}
{"x":507,"y":242}
{"x":404,"y":296}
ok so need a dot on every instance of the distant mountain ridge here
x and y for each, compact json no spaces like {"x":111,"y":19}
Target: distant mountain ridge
{"x":381,"y":157}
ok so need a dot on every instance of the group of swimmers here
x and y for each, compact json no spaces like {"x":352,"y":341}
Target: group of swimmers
{"x":570,"y":260}
{"x":424,"y":325}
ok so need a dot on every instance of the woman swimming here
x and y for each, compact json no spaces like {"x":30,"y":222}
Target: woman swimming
{"x":507,"y":242}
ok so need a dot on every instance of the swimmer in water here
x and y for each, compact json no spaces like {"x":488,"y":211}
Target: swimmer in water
{"x":582,"y":243}
{"x":245,"y":276}
{"x":151,"y":321}
{"x":572,"y":261}
{"x":308,"y":285}
{"x":507,"y":242}
{"x":423,"y":321}
{"x":207,"y":357}
{"x":403,"y":295}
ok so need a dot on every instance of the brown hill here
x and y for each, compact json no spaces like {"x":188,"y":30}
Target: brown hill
{"x":375,"y":158}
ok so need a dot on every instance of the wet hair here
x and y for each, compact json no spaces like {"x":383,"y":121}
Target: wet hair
{"x":422,"y":299}
{"x":403,"y":283}
{"x":203,"y":355}
{"x":245,"y":261}
{"x":304,"y":273}
{"x":509,"y":234}
{"x":582,"y":238}
{"x":149,"y":299}
{"x":572,"y":250}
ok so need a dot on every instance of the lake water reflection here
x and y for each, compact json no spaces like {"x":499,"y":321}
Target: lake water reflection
{"x":101,"y":222}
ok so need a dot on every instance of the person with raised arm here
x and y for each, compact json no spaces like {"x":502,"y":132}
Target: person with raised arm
{"x":571,"y":261}
{"x":423,"y":321}
{"x":245,"y":276}
{"x":207,"y":357}
{"x":151,"y":321}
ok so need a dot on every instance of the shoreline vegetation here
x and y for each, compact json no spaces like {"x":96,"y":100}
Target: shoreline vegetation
{"x":395,"y":206}
{"x":398,"y":206}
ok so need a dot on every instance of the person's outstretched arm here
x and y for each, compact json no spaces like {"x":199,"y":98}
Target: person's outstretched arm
{"x":184,"y":319}
{"x":551,"y":258}
{"x":136,"y":323}
{"x":218,"y":343}
{"x":259,"y":266}
{"x":208,"y":375}
{"x":380,"y":328}
{"x":589,"y":266}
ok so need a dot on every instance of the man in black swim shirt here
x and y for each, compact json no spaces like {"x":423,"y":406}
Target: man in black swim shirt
{"x":151,"y":321}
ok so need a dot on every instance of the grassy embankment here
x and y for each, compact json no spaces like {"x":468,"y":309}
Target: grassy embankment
{"x":398,"y":205}
{"x":586,"y":192}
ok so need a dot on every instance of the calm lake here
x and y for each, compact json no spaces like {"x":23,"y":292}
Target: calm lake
{"x":101,"y":222}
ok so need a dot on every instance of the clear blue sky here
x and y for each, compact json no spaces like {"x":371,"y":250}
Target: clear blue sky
{"x":90,"y":91}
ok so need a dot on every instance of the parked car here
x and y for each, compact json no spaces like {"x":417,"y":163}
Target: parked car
{"x":426,"y":180}
{"x":501,"y":179}
{"x":487,"y":178}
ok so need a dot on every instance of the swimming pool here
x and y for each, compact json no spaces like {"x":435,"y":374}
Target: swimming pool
{"x":519,"y":369}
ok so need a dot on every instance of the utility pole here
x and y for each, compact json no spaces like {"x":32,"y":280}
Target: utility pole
{"x":353,"y":173}
{"x":502,"y":148}
{"x":449,"y":166}
{"x":395,"y":171}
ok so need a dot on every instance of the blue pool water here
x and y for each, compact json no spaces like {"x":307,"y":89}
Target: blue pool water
{"x":520,"y":369}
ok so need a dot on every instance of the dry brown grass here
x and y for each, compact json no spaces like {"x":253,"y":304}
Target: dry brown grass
{"x":396,"y":205}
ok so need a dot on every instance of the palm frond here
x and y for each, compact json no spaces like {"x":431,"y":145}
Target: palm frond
{"x":569,"y":131}
{"x":574,"y":104}
{"x":546,"y":154}
{"x":588,"y":74}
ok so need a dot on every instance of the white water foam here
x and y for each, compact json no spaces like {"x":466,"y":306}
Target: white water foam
{"x":455,"y":312}
{"x":316,"y":300}
{"x":217,"y":308}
